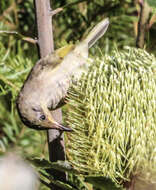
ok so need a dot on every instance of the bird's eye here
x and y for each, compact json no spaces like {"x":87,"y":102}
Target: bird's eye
{"x":42,"y":117}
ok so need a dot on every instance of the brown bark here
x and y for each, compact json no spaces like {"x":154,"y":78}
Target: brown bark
{"x":145,"y":11}
{"x":46,"y":46}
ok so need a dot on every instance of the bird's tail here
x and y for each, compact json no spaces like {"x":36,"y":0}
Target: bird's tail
{"x":97,"y":32}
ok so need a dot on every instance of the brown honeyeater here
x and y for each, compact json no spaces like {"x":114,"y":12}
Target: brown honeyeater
{"x":49,"y":80}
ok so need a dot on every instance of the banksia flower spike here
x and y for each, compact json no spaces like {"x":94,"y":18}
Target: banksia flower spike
{"x":112,"y":111}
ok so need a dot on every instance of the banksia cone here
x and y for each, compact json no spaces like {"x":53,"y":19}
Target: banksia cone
{"x":112,"y":111}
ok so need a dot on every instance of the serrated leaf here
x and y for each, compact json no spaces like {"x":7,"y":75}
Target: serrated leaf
{"x":63,"y":185}
{"x":104,"y":183}
{"x":59,"y":165}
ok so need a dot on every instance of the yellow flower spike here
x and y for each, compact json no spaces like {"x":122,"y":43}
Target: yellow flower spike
{"x":118,"y":109}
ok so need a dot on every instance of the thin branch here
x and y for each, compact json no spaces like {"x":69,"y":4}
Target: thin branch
{"x":30,"y":40}
{"x":145,"y":11}
{"x":8,"y":32}
{"x":54,"y":12}
{"x":25,"y":38}
{"x":44,"y":27}
{"x":46,"y":46}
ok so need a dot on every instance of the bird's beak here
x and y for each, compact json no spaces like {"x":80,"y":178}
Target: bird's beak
{"x":52,"y":124}
{"x":63,"y":128}
{"x":56,"y":125}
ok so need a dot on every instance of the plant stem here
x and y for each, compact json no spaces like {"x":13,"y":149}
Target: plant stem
{"x":145,"y":11}
{"x":46,"y":46}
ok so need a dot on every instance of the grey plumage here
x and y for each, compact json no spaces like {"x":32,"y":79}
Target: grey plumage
{"x":50,"y":78}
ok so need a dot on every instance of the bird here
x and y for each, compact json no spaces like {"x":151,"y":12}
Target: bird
{"x":49,"y":80}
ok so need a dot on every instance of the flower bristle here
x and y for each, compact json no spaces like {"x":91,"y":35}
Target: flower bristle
{"x":112,"y":111}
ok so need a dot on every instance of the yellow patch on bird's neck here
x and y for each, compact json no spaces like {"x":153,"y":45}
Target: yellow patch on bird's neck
{"x":47,"y":113}
{"x":63,"y":51}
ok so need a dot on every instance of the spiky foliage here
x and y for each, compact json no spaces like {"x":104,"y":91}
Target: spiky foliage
{"x":112,"y":111}
{"x":13,"y":134}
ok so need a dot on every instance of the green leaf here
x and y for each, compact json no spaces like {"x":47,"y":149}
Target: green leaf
{"x":48,"y":180}
{"x":63,"y":185}
{"x":104,"y":183}
{"x":152,"y":3}
{"x":59,"y":165}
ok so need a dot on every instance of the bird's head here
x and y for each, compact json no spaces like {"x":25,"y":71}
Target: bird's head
{"x":38,"y":116}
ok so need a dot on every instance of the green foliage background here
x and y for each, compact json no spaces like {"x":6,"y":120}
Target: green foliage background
{"x":17,"y":56}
